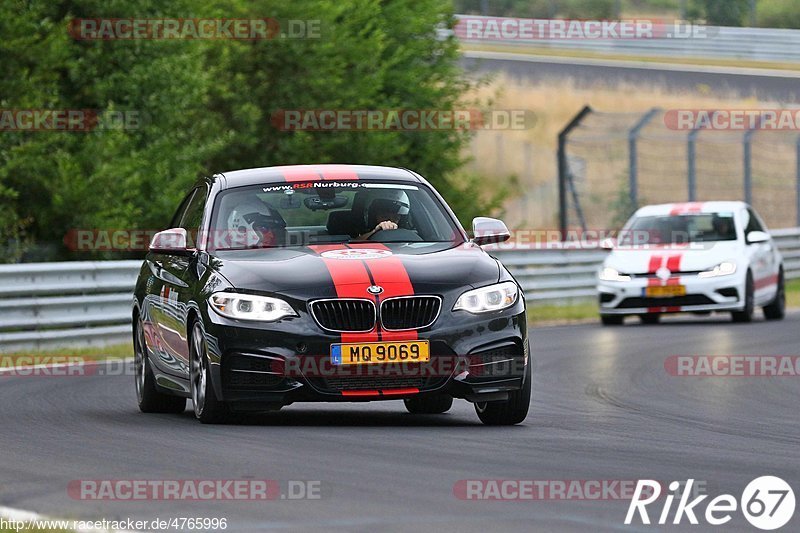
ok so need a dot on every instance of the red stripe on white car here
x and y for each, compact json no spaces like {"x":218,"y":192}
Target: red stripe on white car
{"x":686,"y":208}
{"x":766,"y":282}
{"x":671,"y":263}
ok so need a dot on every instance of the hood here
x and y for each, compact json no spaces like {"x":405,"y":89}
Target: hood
{"x":698,"y":257}
{"x":324,"y":271}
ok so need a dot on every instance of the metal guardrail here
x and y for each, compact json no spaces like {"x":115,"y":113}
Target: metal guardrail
{"x":47,"y":305}
{"x":755,"y":44}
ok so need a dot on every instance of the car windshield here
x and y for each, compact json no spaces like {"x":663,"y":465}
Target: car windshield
{"x":680,"y":229}
{"x":307,"y":213}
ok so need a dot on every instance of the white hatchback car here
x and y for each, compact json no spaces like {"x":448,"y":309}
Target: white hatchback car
{"x":699,"y":257}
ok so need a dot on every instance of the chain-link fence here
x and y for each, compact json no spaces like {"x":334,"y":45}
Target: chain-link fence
{"x":610,"y":163}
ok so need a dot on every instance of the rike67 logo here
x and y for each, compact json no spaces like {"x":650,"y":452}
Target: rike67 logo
{"x":767,"y":503}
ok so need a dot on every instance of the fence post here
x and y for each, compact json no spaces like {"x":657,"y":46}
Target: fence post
{"x":691,"y":153}
{"x":748,"y":166}
{"x":633,"y":154}
{"x":563,"y":169}
{"x":797,"y":184}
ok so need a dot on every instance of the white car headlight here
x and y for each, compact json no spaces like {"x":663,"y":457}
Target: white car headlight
{"x":725,"y":268}
{"x":250,"y":307}
{"x":612,"y":274}
{"x":486,"y":299}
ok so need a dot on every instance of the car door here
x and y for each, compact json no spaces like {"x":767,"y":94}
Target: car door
{"x":762,"y":259}
{"x":176,"y":280}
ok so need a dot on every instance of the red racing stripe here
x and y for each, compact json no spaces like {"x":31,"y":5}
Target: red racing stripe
{"x":316,"y":173}
{"x":673,"y":264}
{"x":351,"y":280}
{"x":686,"y":208}
{"x":338,"y":173}
{"x":390,"y":273}
{"x":300,"y":173}
{"x":399,"y":392}
{"x":765,"y":282}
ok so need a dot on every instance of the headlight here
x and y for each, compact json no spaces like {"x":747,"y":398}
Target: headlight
{"x":612,"y":274}
{"x":491,"y":298}
{"x":250,"y":307}
{"x":723,"y":269}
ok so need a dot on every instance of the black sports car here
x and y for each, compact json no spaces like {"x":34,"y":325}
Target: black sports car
{"x":327,"y":283}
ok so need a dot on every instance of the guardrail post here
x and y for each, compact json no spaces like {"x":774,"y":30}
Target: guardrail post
{"x":633,"y":154}
{"x":563,"y":168}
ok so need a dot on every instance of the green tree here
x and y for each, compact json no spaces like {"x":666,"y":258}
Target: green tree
{"x":206,"y":105}
{"x":721,"y":12}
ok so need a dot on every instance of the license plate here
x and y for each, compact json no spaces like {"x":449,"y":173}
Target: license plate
{"x":380,"y":353}
{"x":666,"y":291}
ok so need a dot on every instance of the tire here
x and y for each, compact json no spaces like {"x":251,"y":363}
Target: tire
{"x":746,"y":315}
{"x":650,"y":318}
{"x":776,"y":310}
{"x":431,"y":405}
{"x":612,"y":320}
{"x":511,"y":411}
{"x":208,"y":409}
{"x":149,"y":398}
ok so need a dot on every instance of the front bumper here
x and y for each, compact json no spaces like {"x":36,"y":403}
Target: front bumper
{"x":475,"y":357}
{"x":724,"y":293}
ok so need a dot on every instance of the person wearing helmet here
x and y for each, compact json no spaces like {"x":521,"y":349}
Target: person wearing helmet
{"x":386,"y":213}
{"x":253,"y":223}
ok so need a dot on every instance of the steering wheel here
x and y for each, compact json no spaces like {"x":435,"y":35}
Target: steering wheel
{"x":395,"y":235}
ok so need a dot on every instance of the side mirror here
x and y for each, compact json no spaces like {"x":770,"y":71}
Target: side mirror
{"x":489,"y":231}
{"x":170,"y":241}
{"x":608,"y":244}
{"x":755,"y":237}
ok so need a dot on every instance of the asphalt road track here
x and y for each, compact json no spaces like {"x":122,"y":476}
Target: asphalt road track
{"x":766,"y":85}
{"x":603,"y":408}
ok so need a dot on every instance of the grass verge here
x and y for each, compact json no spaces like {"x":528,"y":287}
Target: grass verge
{"x":61,"y":355}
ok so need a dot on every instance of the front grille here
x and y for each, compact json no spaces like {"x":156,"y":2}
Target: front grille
{"x":679,"y":301}
{"x":412,"y":312}
{"x":344,"y":314}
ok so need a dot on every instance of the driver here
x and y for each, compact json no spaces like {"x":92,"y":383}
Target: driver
{"x":386,"y":214}
{"x":723,"y":226}
{"x":253,"y":223}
